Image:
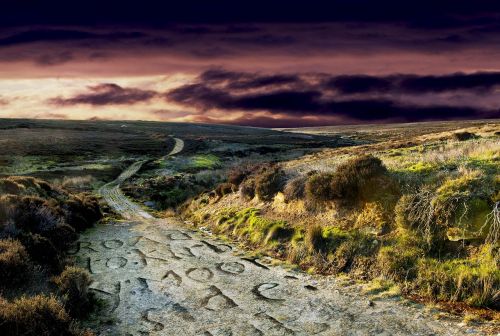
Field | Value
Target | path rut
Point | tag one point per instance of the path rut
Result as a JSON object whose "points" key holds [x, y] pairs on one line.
{"points": [[159, 278]]}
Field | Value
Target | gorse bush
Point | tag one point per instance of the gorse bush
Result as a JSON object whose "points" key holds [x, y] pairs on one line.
{"points": [[169, 192], [399, 263], [14, 261], [455, 210], [73, 284], [354, 252], [43, 218], [38, 207], [81, 211]]}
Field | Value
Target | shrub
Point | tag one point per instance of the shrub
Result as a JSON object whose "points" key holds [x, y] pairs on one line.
{"points": [[415, 212], [78, 182], [317, 188], [399, 262], [247, 188], [269, 182], [13, 261], [358, 179], [225, 189], [61, 236], [295, 188], [73, 284], [34, 214], [463, 136], [40, 209], [238, 174], [41, 249], [452, 202], [82, 211], [34, 316], [8, 186]]}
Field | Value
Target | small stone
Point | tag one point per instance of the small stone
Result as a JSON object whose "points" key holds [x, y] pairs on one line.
{"points": [[370, 303]]}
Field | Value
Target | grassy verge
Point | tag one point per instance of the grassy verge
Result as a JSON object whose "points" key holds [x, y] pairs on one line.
{"points": [[424, 219]]}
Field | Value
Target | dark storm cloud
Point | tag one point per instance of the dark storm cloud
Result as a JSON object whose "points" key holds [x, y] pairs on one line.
{"points": [[426, 13], [477, 81], [61, 35], [311, 103], [359, 84], [216, 89], [484, 81], [219, 43], [107, 94]]}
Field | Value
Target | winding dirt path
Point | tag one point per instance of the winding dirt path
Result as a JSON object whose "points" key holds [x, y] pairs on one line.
{"points": [[162, 279], [118, 201]]}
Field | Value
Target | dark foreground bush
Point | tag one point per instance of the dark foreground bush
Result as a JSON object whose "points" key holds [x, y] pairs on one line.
{"points": [[41, 250], [73, 284], [14, 261], [34, 207], [35, 316], [82, 211]]}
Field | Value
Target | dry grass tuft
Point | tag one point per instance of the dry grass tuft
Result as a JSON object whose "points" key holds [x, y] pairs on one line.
{"points": [[34, 316], [14, 261], [73, 284], [295, 188]]}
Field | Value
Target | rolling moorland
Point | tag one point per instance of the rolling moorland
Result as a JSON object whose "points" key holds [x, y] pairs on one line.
{"points": [[300, 231]]}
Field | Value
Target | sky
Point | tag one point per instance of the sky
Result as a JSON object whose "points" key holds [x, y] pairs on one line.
{"points": [[257, 63]]}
